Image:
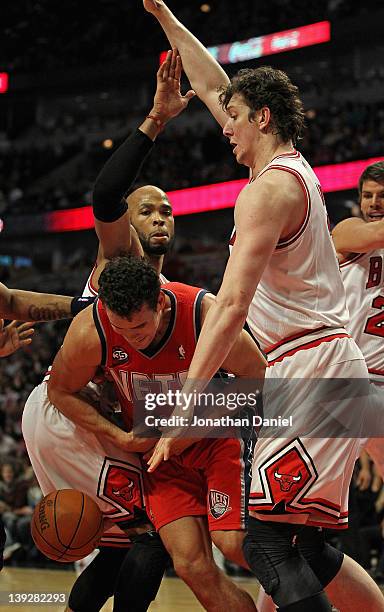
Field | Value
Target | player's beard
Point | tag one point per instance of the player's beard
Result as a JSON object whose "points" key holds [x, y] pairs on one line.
{"points": [[155, 249]]}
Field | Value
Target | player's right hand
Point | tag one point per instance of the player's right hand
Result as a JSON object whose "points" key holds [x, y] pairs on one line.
{"points": [[169, 101], [14, 336]]}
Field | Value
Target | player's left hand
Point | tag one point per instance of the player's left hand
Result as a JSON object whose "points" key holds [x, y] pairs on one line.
{"points": [[166, 448], [169, 101], [14, 336]]}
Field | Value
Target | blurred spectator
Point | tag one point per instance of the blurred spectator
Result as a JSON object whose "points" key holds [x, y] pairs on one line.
{"points": [[16, 506]]}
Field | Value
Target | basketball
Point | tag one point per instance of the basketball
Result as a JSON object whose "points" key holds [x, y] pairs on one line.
{"points": [[66, 525]]}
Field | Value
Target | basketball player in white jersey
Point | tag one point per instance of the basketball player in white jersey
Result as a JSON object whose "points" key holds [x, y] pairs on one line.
{"points": [[359, 243], [283, 277]]}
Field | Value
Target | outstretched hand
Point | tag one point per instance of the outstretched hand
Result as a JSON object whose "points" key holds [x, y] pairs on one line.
{"points": [[169, 101], [152, 6], [14, 336], [166, 448]]}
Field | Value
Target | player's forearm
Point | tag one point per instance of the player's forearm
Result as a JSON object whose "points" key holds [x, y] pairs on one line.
{"points": [[31, 306], [117, 176], [138, 444], [202, 70], [85, 415]]}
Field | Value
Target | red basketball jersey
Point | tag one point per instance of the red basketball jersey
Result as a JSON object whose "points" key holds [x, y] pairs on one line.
{"points": [[158, 369]]}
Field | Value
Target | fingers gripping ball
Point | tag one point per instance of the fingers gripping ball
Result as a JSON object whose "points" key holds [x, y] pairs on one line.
{"points": [[66, 525]]}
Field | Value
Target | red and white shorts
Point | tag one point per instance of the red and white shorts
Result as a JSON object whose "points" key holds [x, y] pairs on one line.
{"points": [[305, 478], [208, 479], [66, 456], [375, 445]]}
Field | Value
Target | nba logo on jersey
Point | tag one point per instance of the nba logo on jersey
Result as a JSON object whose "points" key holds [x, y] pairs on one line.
{"points": [[181, 350], [218, 503]]}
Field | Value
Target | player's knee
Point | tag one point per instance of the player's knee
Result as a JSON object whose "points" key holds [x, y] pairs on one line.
{"points": [[324, 560], [281, 570], [196, 570], [230, 543], [260, 564]]}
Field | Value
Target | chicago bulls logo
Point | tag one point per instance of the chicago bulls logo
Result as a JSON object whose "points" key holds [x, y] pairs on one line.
{"points": [[121, 485], [287, 476], [218, 503], [125, 492], [286, 480]]}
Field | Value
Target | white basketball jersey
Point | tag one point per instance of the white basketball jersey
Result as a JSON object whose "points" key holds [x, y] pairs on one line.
{"points": [[364, 284], [300, 291], [89, 288]]}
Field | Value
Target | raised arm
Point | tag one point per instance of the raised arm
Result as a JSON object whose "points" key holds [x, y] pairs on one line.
{"points": [[112, 222], [355, 235], [203, 71]]}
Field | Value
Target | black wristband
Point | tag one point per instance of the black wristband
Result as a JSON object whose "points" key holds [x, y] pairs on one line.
{"points": [[117, 176], [79, 303]]}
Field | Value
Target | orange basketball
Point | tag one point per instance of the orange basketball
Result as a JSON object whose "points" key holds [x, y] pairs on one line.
{"points": [[66, 525]]}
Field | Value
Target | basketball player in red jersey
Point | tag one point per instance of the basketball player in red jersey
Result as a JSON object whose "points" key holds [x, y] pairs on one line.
{"points": [[149, 209], [136, 332], [283, 277]]}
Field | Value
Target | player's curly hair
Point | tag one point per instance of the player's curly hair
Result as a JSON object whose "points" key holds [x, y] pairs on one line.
{"points": [[374, 172], [267, 86], [127, 283]]}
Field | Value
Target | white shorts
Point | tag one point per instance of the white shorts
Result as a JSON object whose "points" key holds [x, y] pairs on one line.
{"points": [[304, 476], [66, 456], [375, 446]]}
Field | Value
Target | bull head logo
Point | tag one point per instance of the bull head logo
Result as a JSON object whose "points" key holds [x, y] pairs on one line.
{"points": [[125, 492], [286, 481]]}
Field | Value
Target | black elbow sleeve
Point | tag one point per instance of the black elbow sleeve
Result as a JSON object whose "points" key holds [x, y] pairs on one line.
{"points": [[117, 176]]}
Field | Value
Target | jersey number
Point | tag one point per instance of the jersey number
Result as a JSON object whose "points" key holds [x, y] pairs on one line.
{"points": [[375, 270], [375, 324]]}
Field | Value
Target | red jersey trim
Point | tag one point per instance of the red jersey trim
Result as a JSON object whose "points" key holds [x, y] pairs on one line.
{"points": [[308, 345], [305, 332], [377, 372], [308, 506], [307, 339], [352, 260], [289, 240], [265, 512], [90, 284]]}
